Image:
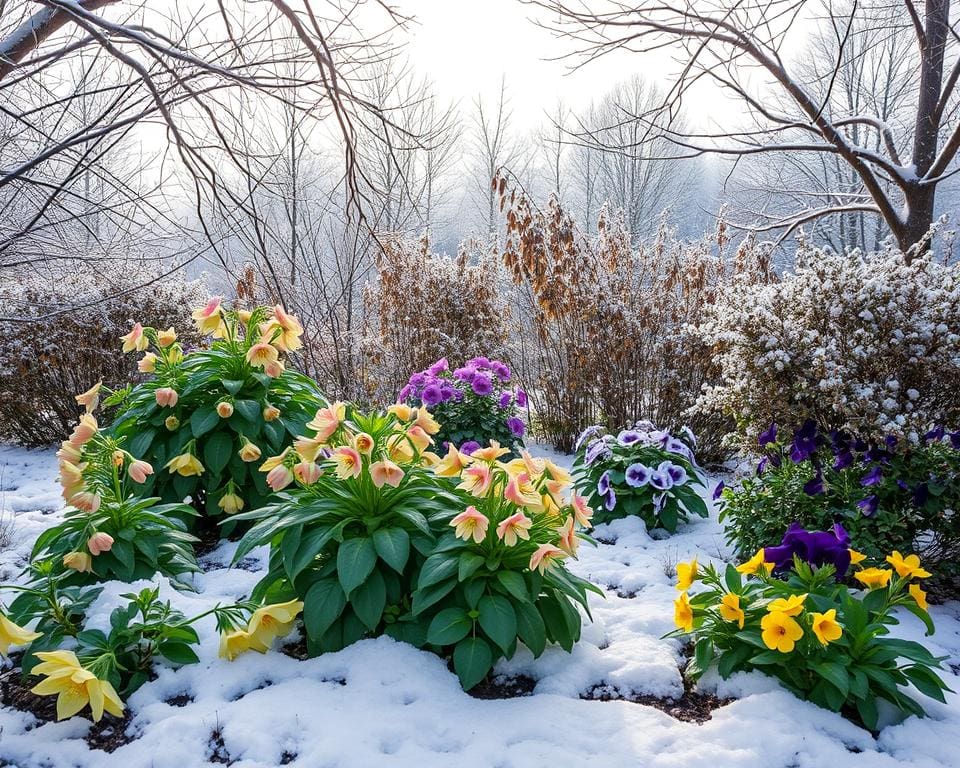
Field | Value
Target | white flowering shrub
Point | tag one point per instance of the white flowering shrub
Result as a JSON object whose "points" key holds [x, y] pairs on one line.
{"points": [[47, 354], [865, 344]]}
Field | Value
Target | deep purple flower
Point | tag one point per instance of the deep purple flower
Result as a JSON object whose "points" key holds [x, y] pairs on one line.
{"points": [[843, 460], [480, 362], [637, 475], [920, 494], [868, 506], [431, 395], [718, 491], [446, 391], [481, 385], [902, 485], [515, 426], [603, 484], [505, 399], [860, 445], [660, 480], [628, 437], [465, 374], [521, 398], [814, 486], [815, 547], [769, 435], [890, 441], [935, 435], [762, 465], [502, 371], [874, 476], [804, 442], [676, 473], [469, 447]]}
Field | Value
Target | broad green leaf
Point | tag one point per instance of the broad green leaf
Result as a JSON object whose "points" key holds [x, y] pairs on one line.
{"points": [[472, 660], [393, 547], [449, 626], [369, 599], [530, 628], [203, 420], [355, 560], [498, 620], [436, 568], [217, 449], [322, 606]]}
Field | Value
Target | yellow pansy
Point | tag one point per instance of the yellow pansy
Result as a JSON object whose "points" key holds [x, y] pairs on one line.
{"points": [[683, 613], [686, 574], [75, 686], [791, 606], [756, 564], [907, 567], [856, 557], [825, 626], [780, 632], [730, 609], [874, 578]]}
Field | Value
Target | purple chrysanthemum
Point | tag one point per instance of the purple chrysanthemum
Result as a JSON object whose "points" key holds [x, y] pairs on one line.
{"points": [[481, 385], [521, 398], [431, 395], [505, 399], [439, 367], [515, 426], [501, 370]]}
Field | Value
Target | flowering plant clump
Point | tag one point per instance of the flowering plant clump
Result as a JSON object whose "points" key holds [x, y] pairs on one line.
{"points": [[641, 471], [890, 495], [474, 404], [864, 344], [356, 512], [823, 640], [499, 577], [110, 530], [204, 417]]}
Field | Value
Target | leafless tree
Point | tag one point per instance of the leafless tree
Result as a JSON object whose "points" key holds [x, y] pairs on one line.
{"points": [[728, 43], [179, 79]]}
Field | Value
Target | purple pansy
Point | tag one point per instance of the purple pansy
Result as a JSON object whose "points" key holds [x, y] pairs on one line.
{"points": [[515, 426], [676, 473], [955, 440], [814, 486], [637, 475], [804, 442], [814, 547], [718, 490], [874, 476], [868, 506], [935, 435], [769, 435], [843, 460]]}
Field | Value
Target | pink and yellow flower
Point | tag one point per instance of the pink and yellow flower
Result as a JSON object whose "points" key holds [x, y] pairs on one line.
{"points": [[249, 451], [78, 561], [419, 437], [147, 363], [225, 410], [166, 338], [307, 472], [347, 462], [308, 448], [581, 509], [85, 501], [491, 453], [283, 331], [385, 473], [544, 556], [402, 411], [521, 492], [208, 318], [476, 480], [279, 477], [230, 503], [514, 527], [261, 353], [271, 413], [135, 340], [426, 422], [471, 523], [568, 537], [327, 420], [91, 398], [185, 465], [100, 542], [363, 443], [139, 470], [85, 430], [453, 463], [166, 397]]}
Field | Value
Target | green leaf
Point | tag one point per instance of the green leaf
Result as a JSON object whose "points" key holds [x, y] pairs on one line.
{"points": [[498, 620], [867, 709], [322, 606], [249, 410], [469, 562], [140, 443], [232, 386], [472, 661], [393, 547], [369, 600], [355, 560], [178, 653], [449, 626], [514, 584], [203, 420], [530, 628], [311, 543], [835, 674], [217, 450], [436, 568], [926, 681]]}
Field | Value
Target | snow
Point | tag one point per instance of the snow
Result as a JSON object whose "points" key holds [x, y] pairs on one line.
{"points": [[380, 702]]}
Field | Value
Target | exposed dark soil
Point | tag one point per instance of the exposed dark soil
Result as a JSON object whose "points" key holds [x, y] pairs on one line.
{"points": [[691, 707], [502, 687], [180, 700], [107, 735], [218, 749]]}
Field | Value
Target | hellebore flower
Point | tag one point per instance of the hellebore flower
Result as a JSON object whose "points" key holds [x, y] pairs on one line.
{"points": [[347, 462], [768, 436], [568, 537], [814, 547], [75, 686], [91, 398], [208, 318], [308, 472], [166, 397], [637, 475], [230, 503], [874, 476], [544, 556], [514, 527], [184, 464], [135, 340], [476, 480], [13, 634], [868, 505], [138, 470], [471, 523], [101, 542], [283, 330]]}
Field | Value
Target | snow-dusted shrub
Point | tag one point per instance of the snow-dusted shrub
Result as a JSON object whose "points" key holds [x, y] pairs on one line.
{"points": [[425, 306], [204, 417], [823, 640], [865, 344], [376, 534], [608, 340], [890, 495], [45, 359], [474, 403], [642, 471]]}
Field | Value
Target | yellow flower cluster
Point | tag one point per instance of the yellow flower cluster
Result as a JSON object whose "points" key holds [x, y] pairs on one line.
{"points": [[266, 624], [516, 495], [75, 686]]}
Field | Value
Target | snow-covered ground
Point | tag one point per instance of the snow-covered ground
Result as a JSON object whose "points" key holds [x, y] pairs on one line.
{"points": [[383, 703]]}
